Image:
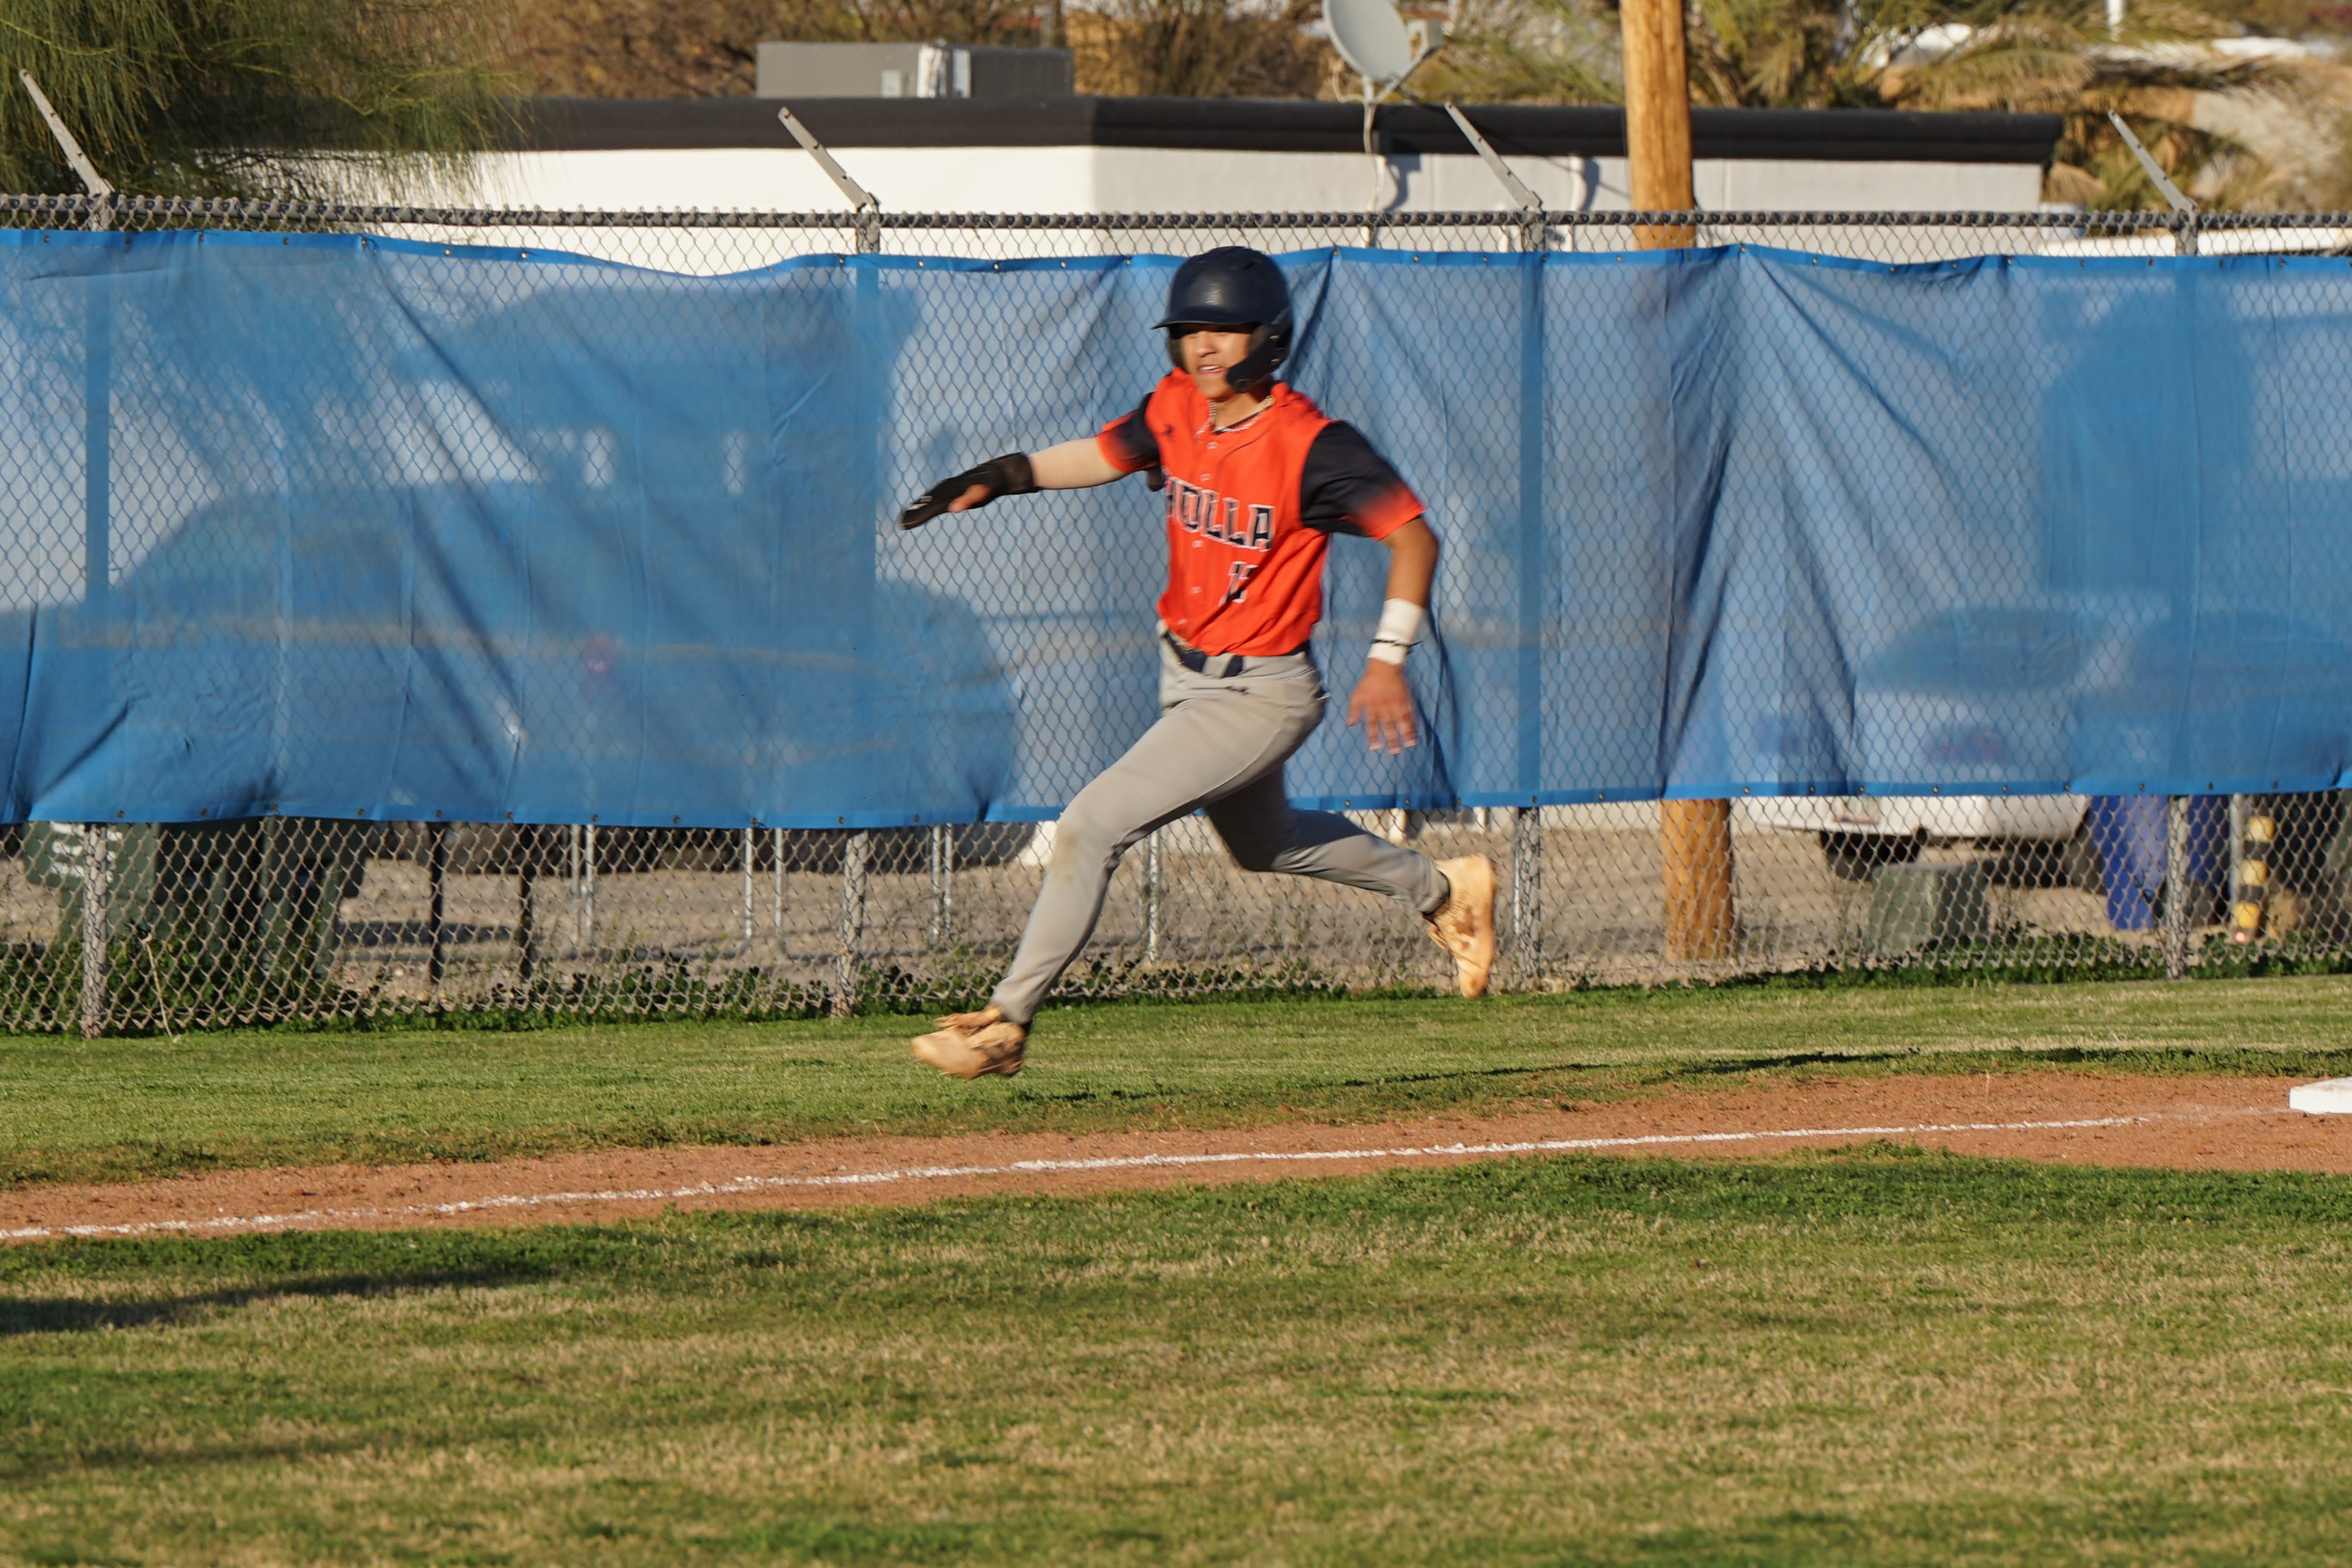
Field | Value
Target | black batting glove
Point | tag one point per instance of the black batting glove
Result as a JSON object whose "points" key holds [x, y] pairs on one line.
{"points": [[1009, 475]]}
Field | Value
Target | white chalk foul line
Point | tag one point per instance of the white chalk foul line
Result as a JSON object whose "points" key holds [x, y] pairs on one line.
{"points": [[227, 1223]]}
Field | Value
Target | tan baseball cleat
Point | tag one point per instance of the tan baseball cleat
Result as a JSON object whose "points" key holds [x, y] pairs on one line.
{"points": [[1464, 925], [973, 1045]]}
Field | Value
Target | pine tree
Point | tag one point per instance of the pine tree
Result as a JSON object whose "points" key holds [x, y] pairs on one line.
{"points": [[253, 96]]}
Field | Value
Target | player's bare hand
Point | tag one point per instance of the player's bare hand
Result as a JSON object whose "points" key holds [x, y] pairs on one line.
{"points": [[973, 495], [1383, 703]]}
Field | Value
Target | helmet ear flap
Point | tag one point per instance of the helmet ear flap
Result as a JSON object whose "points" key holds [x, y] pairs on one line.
{"points": [[1272, 340], [1269, 346], [1176, 348]]}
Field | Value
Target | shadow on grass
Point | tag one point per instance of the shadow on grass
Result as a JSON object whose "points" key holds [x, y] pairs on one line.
{"points": [[1908, 1060], [70, 1315], [2156, 1061]]}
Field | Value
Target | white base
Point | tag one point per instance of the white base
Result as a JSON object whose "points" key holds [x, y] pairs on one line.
{"points": [[2332, 1097]]}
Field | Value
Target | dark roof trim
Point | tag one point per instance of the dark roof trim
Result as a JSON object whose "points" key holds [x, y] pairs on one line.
{"points": [[1269, 125]]}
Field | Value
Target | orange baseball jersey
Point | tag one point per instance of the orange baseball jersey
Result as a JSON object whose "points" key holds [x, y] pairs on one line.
{"points": [[1251, 509]]}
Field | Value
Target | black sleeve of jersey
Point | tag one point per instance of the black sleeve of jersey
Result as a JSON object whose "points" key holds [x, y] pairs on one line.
{"points": [[1132, 444], [1346, 487]]}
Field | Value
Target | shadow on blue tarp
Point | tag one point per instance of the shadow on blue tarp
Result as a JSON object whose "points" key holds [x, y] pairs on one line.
{"points": [[385, 531]]}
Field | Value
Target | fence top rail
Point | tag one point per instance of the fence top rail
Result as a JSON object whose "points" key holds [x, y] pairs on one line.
{"points": [[181, 211]]}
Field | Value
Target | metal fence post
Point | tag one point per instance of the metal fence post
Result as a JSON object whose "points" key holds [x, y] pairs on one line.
{"points": [[776, 908], [852, 924], [1152, 897], [97, 459], [1527, 893], [2176, 886], [96, 869], [1527, 821], [437, 890], [751, 851], [527, 904], [942, 844], [2236, 849], [588, 889], [584, 881], [572, 880]]}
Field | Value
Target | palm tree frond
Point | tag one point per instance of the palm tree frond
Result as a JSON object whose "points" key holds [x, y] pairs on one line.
{"points": [[237, 97]]}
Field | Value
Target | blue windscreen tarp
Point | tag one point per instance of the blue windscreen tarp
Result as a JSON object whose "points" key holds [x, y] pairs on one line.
{"points": [[346, 527]]}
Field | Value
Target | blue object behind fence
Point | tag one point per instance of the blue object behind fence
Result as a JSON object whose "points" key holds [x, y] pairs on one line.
{"points": [[350, 527]]}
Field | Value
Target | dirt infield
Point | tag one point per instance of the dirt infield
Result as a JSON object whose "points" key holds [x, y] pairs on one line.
{"points": [[2183, 1123]]}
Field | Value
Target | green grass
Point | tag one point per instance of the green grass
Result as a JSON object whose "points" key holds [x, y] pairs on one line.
{"points": [[1875, 1357], [74, 1110]]}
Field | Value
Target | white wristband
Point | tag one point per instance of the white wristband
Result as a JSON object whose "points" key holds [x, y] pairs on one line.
{"points": [[1400, 628]]}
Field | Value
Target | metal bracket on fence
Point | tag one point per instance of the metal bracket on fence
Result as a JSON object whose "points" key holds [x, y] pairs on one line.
{"points": [[96, 869], [2177, 892], [2155, 172], [84, 170], [868, 218], [853, 925], [2184, 230], [1530, 206]]}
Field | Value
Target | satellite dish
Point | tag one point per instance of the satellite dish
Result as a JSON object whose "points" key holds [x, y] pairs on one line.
{"points": [[1370, 37], [1381, 49]]}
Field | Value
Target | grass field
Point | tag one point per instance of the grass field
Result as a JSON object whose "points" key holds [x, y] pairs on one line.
{"points": [[1875, 1357], [75, 1110], [1878, 1355]]}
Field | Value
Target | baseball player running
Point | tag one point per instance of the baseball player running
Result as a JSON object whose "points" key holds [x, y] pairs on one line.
{"points": [[1257, 480]]}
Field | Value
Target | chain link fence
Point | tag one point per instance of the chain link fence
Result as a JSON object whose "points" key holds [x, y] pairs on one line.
{"points": [[134, 927]]}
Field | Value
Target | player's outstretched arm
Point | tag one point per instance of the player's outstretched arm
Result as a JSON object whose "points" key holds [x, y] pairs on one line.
{"points": [[1072, 465], [1077, 465], [1383, 700]]}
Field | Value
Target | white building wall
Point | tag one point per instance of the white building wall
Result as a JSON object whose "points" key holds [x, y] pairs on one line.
{"points": [[1149, 179], [1076, 180]]}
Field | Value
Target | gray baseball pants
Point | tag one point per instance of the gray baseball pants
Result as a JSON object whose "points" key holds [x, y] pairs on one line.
{"points": [[1220, 745]]}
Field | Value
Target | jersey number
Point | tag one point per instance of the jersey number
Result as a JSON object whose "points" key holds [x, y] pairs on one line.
{"points": [[1237, 581]]}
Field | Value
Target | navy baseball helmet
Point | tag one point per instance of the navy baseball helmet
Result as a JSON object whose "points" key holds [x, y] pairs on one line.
{"points": [[1232, 287]]}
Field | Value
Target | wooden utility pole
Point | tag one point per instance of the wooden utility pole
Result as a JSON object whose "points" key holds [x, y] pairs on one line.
{"points": [[1657, 116], [1701, 923], [1694, 835]]}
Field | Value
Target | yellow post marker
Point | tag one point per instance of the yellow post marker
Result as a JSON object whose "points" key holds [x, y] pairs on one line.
{"points": [[2253, 876]]}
